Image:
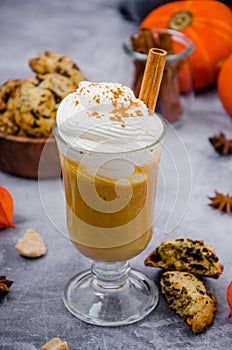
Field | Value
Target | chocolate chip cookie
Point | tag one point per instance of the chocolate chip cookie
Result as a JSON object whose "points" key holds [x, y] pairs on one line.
{"points": [[51, 62], [28, 107], [36, 103], [188, 296], [7, 95], [186, 255]]}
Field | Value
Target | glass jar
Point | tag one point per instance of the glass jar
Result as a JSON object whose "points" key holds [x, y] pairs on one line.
{"points": [[176, 90]]}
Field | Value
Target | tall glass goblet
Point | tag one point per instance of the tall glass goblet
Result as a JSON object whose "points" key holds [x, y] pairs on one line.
{"points": [[110, 201]]}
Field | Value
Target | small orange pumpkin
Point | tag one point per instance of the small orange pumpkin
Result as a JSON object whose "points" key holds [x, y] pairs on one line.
{"points": [[208, 24], [224, 84], [6, 209]]}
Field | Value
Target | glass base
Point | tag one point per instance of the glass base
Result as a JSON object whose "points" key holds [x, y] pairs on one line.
{"points": [[110, 304]]}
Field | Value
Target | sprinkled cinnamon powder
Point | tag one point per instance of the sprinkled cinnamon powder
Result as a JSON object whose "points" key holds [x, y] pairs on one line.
{"points": [[126, 112], [116, 118], [117, 93], [94, 114], [139, 113], [115, 96], [97, 99]]}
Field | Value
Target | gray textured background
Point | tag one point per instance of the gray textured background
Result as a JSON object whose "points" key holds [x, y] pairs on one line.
{"points": [[91, 33]]}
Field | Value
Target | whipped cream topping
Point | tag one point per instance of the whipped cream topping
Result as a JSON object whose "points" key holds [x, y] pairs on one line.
{"points": [[106, 117]]}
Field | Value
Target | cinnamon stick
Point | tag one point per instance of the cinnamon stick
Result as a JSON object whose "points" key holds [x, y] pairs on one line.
{"points": [[144, 41], [141, 42], [139, 67], [168, 103], [165, 43], [152, 78]]}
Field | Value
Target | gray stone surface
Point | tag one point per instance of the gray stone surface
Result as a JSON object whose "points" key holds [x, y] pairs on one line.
{"points": [[91, 32]]}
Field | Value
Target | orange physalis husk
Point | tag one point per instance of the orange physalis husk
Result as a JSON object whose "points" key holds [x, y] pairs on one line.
{"points": [[6, 209], [229, 298]]}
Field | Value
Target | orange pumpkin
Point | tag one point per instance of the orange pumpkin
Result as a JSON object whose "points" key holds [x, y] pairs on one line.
{"points": [[208, 24], [224, 84], [6, 209]]}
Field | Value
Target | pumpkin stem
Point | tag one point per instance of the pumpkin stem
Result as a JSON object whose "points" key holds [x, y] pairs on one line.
{"points": [[180, 20]]}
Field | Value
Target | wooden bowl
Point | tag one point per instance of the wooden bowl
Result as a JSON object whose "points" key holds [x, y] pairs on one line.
{"points": [[29, 157]]}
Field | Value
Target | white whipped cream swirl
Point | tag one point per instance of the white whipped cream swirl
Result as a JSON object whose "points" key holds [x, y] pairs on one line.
{"points": [[106, 117]]}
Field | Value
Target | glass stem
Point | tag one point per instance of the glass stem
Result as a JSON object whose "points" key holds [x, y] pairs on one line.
{"points": [[110, 275]]}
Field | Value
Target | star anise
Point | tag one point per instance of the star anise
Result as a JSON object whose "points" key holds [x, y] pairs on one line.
{"points": [[221, 144], [4, 285], [221, 202]]}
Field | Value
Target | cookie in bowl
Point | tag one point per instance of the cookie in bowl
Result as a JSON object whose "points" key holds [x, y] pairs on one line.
{"points": [[28, 115], [7, 95], [36, 103], [51, 62], [6, 92]]}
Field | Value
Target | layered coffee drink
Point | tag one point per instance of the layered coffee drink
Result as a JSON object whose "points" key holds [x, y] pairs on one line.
{"points": [[110, 148]]}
